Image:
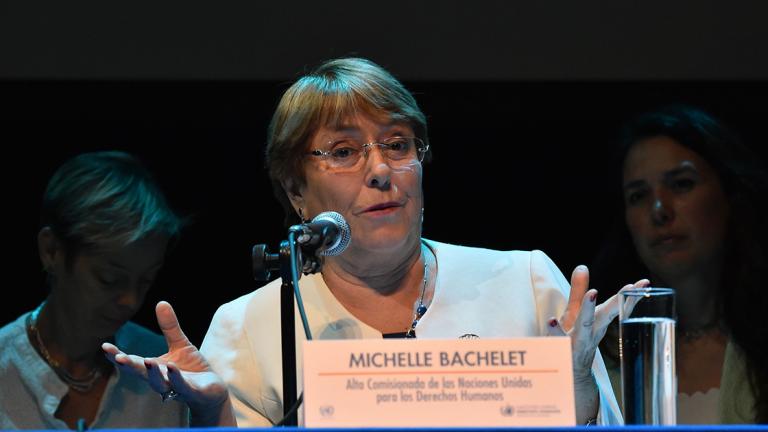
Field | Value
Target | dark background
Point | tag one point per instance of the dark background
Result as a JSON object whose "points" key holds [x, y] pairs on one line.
{"points": [[524, 102]]}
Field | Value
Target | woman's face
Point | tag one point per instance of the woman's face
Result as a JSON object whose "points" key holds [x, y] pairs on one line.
{"points": [[675, 208], [104, 288], [381, 200]]}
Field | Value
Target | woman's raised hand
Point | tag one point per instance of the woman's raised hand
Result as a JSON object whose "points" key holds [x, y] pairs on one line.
{"points": [[586, 323], [182, 373]]}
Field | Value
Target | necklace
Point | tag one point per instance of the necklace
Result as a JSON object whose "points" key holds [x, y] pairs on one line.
{"points": [[81, 385], [419, 307]]}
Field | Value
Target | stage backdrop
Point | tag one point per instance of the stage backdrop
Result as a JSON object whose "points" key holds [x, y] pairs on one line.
{"points": [[517, 165]]}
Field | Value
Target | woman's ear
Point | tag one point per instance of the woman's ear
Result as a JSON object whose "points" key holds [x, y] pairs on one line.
{"points": [[49, 248], [293, 191]]}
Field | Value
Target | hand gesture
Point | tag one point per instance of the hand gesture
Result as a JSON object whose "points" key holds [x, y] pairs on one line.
{"points": [[586, 324], [182, 373]]}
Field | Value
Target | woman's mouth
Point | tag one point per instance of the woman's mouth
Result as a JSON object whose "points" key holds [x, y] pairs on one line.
{"points": [[383, 208], [667, 240]]}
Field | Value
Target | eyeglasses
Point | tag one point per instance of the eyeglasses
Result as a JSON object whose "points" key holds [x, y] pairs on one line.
{"points": [[346, 153]]}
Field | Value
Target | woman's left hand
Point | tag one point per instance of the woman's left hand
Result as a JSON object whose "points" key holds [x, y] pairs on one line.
{"points": [[586, 323], [181, 373]]}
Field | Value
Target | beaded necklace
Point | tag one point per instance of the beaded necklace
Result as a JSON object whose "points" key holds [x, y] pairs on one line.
{"points": [[419, 307]]}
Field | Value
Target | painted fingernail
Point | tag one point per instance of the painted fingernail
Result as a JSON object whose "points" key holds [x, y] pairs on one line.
{"points": [[593, 297], [553, 323]]}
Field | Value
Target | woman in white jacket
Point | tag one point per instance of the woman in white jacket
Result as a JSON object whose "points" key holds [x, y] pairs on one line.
{"points": [[349, 138]]}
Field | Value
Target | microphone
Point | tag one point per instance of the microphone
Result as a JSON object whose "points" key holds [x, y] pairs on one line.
{"points": [[328, 234]]}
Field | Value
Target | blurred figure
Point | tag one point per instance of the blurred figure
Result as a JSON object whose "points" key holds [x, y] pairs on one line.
{"points": [[103, 238], [695, 219]]}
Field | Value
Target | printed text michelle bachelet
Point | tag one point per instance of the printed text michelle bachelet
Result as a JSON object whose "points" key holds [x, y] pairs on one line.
{"points": [[429, 359]]}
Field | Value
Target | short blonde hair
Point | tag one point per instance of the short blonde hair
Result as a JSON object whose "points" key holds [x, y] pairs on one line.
{"points": [[333, 92]]}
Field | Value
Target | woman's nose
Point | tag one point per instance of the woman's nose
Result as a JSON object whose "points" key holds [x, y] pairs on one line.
{"points": [[378, 170], [661, 212], [132, 297]]}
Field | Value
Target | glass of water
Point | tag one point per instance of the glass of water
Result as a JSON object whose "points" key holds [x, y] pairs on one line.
{"points": [[647, 352]]}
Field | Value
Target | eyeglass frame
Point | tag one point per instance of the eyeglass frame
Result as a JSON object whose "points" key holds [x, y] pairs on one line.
{"points": [[421, 148]]}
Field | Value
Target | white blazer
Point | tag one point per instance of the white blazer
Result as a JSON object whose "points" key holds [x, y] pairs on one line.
{"points": [[488, 293]]}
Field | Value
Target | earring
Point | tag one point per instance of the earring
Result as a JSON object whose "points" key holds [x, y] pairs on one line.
{"points": [[422, 215], [301, 214]]}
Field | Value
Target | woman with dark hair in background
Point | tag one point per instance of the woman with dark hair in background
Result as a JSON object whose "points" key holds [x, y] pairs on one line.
{"points": [[695, 219], [104, 234]]}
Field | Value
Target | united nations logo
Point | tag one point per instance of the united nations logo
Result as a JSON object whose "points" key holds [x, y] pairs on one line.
{"points": [[507, 410], [469, 336], [326, 410]]}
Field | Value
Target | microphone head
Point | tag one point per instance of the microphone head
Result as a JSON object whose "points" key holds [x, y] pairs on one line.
{"points": [[345, 234]]}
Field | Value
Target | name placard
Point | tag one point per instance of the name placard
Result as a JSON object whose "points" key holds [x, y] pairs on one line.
{"points": [[458, 382]]}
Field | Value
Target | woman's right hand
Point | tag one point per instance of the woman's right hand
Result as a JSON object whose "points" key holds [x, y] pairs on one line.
{"points": [[182, 371]]}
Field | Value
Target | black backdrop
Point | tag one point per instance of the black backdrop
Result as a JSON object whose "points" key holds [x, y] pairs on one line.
{"points": [[517, 165]]}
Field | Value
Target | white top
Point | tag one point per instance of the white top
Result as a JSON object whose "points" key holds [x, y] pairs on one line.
{"points": [[483, 292], [31, 390], [698, 408], [734, 401]]}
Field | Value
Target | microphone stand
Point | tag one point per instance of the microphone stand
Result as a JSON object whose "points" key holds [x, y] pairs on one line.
{"points": [[288, 263]]}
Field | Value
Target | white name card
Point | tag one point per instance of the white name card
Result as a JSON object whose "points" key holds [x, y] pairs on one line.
{"points": [[438, 383]]}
